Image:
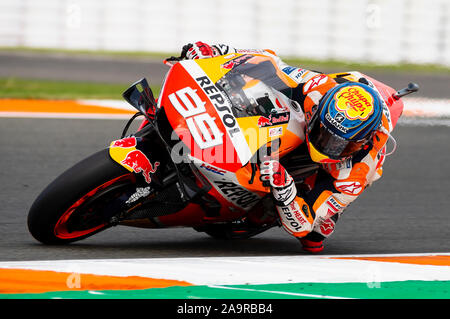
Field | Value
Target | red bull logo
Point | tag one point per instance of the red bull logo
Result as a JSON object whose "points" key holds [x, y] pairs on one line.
{"points": [[273, 119], [264, 121], [125, 142], [228, 65], [236, 61], [139, 163]]}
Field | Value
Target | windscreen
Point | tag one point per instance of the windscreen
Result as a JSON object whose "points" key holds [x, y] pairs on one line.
{"points": [[255, 88]]}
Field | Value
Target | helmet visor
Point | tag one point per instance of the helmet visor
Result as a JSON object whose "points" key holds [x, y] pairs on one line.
{"points": [[329, 143]]}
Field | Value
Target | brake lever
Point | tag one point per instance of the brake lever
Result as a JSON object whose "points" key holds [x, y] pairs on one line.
{"points": [[168, 61], [182, 56]]}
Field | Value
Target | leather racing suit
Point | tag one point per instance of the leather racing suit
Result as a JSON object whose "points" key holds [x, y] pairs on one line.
{"points": [[311, 216]]}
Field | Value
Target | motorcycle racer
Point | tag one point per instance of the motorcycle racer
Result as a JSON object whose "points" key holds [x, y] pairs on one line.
{"points": [[347, 128]]}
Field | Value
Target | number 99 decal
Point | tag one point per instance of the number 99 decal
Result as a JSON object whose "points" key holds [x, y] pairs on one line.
{"points": [[203, 129]]}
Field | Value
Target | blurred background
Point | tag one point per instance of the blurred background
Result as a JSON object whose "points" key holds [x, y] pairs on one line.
{"points": [[119, 41], [379, 31], [84, 49]]}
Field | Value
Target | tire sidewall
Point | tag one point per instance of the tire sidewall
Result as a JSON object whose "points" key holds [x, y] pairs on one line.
{"points": [[65, 190]]}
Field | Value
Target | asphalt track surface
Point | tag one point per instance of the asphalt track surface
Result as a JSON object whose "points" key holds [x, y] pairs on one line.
{"points": [[406, 211], [107, 69]]}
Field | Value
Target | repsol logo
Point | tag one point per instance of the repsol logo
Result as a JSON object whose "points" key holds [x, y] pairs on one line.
{"points": [[236, 194], [220, 103], [294, 217]]}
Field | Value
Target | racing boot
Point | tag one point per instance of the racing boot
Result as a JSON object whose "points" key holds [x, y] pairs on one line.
{"points": [[313, 242]]}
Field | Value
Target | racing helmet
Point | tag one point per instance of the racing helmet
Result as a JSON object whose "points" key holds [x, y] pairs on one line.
{"points": [[345, 120]]}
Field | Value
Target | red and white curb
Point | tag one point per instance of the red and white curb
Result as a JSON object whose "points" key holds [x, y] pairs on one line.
{"points": [[259, 270]]}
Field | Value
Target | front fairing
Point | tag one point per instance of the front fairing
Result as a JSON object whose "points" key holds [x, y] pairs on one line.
{"points": [[225, 109]]}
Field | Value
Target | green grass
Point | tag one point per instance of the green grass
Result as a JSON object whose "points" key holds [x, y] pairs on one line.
{"points": [[126, 54], [410, 289], [339, 66], [45, 89], [302, 62]]}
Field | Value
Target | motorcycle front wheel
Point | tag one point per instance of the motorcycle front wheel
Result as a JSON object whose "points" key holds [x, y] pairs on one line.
{"points": [[80, 202]]}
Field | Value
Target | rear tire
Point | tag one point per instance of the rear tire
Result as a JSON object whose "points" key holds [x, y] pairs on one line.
{"points": [[68, 209]]}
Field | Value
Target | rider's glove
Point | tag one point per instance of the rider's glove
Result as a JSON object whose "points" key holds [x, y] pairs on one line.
{"points": [[273, 174], [200, 50]]}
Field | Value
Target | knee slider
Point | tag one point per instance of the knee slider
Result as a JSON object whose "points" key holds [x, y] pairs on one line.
{"points": [[296, 217]]}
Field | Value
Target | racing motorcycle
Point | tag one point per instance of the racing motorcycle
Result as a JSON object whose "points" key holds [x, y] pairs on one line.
{"points": [[193, 162]]}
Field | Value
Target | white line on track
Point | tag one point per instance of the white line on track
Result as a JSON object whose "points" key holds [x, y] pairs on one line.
{"points": [[48, 115], [280, 292], [249, 270], [426, 107], [417, 111]]}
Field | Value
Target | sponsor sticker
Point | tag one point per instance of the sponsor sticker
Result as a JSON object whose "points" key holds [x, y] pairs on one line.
{"points": [[139, 163], [326, 227], [213, 169], [335, 205], [273, 119], [289, 69], [223, 109], [315, 82], [298, 74], [275, 131], [354, 102], [294, 218], [202, 126], [236, 61], [349, 187], [237, 194], [125, 142], [336, 123], [345, 164]]}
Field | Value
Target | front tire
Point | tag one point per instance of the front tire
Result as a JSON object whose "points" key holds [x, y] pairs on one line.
{"points": [[73, 206]]}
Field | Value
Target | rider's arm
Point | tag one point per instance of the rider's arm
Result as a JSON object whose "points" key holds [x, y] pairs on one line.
{"points": [[312, 216], [338, 185], [295, 214]]}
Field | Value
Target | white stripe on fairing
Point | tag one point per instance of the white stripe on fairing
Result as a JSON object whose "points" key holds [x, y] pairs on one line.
{"points": [[248, 270]]}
